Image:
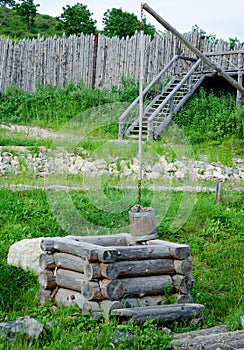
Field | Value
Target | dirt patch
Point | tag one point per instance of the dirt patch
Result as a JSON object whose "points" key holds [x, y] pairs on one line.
{"points": [[33, 131]]}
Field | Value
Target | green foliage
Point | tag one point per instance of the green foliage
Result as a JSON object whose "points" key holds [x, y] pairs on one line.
{"points": [[13, 26], [210, 37], [28, 11], [54, 107], [122, 23], [7, 3], [214, 232], [21, 219], [15, 286], [77, 19], [21, 139], [129, 91], [207, 117]]}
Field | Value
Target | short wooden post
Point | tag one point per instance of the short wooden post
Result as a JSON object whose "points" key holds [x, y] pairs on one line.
{"points": [[219, 192]]}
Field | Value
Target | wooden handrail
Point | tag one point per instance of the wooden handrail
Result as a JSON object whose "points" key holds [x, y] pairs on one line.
{"points": [[223, 53], [195, 50]]}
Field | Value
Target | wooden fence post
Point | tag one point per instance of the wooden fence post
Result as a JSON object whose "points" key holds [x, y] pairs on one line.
{"points": [[219, 192]]}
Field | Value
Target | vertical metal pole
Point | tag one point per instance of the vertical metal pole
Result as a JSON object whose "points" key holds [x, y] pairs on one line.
{"points": [[141, 110]]}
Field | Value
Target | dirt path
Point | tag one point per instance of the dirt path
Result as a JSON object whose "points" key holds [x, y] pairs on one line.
{"points": [[35, 132]]}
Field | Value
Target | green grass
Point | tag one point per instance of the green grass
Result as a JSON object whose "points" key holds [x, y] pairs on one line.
{"points": [[214, 232], [207, 124], [54, 108], [207, 117]]}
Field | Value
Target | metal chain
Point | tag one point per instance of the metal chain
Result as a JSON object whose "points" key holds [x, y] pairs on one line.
{"points": [[139, 192], [142, 14]]}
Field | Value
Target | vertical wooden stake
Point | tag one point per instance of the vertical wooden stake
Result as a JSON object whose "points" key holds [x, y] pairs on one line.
{"points": [[219, 192]]}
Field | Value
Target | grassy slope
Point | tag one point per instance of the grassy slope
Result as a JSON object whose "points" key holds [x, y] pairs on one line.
{"points": [[13, 26]]}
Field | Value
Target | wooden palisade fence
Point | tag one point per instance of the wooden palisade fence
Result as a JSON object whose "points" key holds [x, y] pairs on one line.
{"points": [[113, 273], [96, 60]]}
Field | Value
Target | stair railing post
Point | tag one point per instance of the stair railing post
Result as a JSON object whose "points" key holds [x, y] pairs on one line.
{"points": [[240, 79]]}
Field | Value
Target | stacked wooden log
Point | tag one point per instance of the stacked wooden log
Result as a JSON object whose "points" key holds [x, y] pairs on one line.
{"points": [[113, 272]]}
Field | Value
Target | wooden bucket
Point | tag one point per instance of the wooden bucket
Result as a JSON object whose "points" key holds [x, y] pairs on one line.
{"points": [[143, 224]]}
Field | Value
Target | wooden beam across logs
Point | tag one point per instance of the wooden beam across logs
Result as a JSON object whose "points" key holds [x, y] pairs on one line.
{"points": [[70, 279], [176, 250], [88, 251], [69, 262], [150, 300], [46, 261], [149, 285], [67, 297], [151, 251], [160, 312], [119, 239], [137, 268], [47, 280]]}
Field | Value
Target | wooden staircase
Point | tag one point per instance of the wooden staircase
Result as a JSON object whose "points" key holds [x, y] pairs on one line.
{"points": [[163, 97]]}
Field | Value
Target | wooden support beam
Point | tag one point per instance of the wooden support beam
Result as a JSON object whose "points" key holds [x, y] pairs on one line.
{"points": [[159, 313], [119, 239], [149, 285], [109, 305], [176, 250], [69, 279], [195, 50], [139, 268], [47, 280], [239, 97], [46, 261], [67, 297], [111, 289], [88, 251], [91, 290], [150, 300], [69, 262]]}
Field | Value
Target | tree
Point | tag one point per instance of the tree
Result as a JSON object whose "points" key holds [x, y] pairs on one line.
{"points": [[78, 19], [121, 23], [5, 4], [28, 10]]}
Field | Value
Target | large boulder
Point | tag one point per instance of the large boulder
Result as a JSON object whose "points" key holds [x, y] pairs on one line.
{"points": [[25, 326], [26, 253]]}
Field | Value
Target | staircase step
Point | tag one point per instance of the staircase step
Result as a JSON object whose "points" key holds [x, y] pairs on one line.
{"points": [[165, 109]]}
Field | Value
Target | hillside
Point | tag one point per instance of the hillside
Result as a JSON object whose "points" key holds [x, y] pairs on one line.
{"points": [[13, 26]]}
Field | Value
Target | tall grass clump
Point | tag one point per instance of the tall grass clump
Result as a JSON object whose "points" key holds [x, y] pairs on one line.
{"points": [[207, 117], [53, 107]]}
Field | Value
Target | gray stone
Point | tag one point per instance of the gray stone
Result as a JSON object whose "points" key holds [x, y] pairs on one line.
{"points": [[25, 326], [46, 162], [242, 321], [26, 253]]}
